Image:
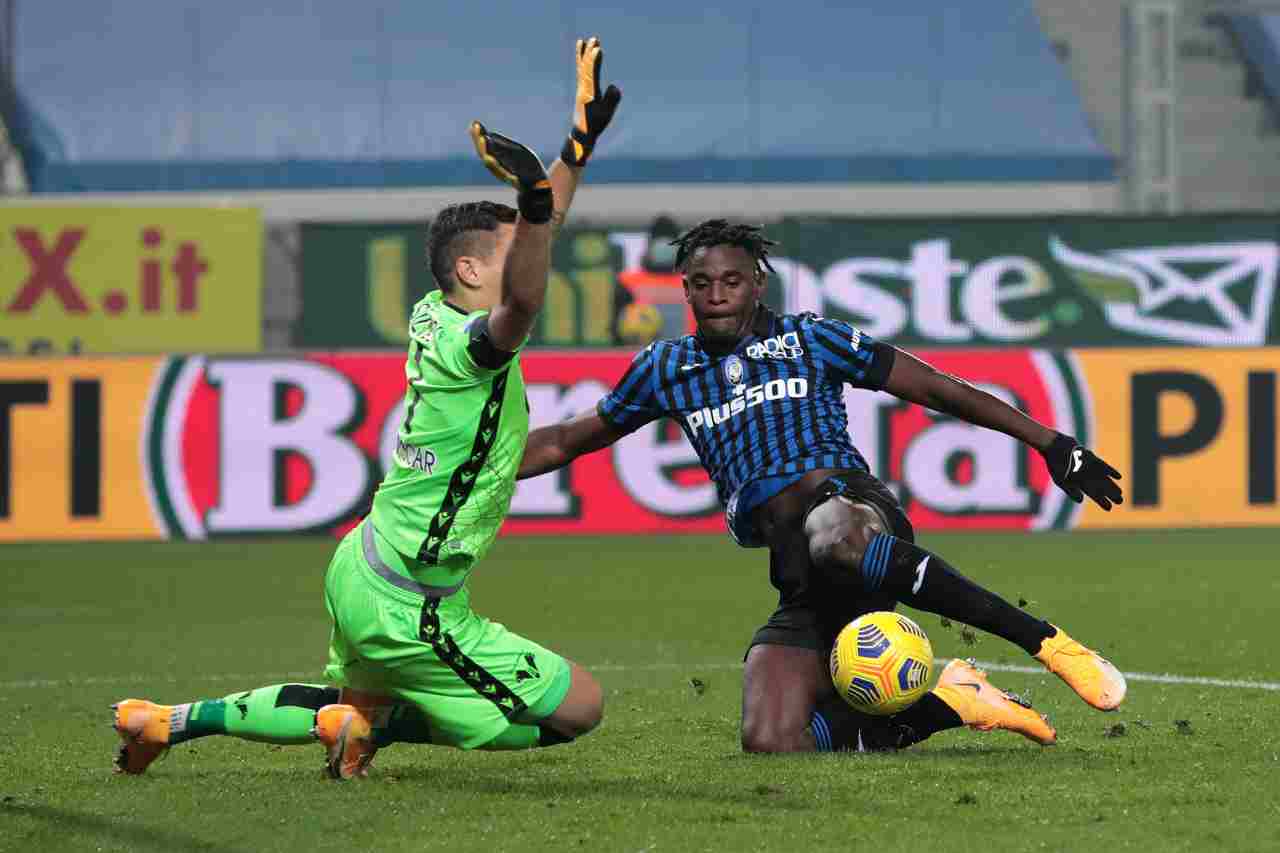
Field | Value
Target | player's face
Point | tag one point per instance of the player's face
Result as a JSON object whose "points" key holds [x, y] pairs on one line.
{"points": [[484, 269], [722, 286]]}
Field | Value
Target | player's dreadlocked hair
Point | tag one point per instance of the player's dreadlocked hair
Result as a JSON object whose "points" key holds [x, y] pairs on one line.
{"points": [[454, 232], [720, 232]]}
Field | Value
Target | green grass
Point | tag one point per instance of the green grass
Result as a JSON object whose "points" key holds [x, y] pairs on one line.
{"points": [[82, 626]]}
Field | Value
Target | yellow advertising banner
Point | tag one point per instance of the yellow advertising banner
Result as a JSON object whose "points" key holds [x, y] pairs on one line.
{"points": [[130, 280], [1193, 431], [71, 464]]}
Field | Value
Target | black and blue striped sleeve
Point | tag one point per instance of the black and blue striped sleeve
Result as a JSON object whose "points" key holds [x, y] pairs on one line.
{"points": [[633, 402], [855, 357]]}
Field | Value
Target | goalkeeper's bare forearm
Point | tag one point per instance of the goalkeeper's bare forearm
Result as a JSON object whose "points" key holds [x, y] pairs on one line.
{"points": [[564, 184]]}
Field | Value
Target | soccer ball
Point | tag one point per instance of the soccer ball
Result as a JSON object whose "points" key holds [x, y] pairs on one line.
{"points": [[639, 323], [881, 663]]}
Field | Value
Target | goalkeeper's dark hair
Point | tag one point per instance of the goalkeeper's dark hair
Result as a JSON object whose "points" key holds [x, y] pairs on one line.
{"points": [[456, 232], [721, 232]]}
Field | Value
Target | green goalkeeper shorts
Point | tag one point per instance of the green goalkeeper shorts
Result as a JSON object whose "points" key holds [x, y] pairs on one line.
{"points": [[471, 677]]}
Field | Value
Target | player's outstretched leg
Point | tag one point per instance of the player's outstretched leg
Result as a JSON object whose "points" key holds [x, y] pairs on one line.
{"points": [[851, 542], [281, 713], [962, 697], [985, 707], [1094, 678], [789, 706]]}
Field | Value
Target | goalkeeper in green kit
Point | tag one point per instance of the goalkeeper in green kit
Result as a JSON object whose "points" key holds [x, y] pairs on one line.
{"points": [[411, 661]]}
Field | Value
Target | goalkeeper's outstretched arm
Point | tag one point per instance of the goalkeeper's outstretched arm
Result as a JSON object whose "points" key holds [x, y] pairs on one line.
{"points": [[555, 446], [592, 111], [528, 262], [543, 197]]}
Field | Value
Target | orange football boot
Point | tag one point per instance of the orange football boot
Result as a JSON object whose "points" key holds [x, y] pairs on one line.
{"points": [[346, 730], [983, 706], [1094, 678], [144, 728]]}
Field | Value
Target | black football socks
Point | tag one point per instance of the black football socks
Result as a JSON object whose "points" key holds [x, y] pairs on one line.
{"points": [[925, 581], [838, 728]]}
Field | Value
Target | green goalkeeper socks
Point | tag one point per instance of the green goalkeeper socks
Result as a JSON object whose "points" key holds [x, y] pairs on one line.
{"points": [[285, 714], [281, 713]]}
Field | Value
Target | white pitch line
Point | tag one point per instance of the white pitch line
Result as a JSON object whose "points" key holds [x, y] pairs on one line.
{"points": [[693, 668], [1154, 677]]}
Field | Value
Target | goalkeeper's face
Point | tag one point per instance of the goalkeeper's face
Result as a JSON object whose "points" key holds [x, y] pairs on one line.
{"points": [[723, 285], [481, 268]]}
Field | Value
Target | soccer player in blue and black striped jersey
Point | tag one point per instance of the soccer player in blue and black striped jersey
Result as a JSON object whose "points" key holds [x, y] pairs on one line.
{"points": [[760, 397]]}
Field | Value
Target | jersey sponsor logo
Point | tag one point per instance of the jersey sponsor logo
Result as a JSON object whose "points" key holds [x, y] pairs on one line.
{"points": [[786, 346], [418, 458], [795, 388]]}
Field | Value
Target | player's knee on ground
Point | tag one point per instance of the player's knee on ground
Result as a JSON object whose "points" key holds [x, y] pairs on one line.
{"points": [[839, 532], [765, 736], [582, 708]]}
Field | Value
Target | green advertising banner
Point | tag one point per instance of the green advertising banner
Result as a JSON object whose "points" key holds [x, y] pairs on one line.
{"points": [[1068, 281], [359, 282]]}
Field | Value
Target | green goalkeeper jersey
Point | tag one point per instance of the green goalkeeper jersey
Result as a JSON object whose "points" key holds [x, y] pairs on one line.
{"points": [[458, 449]]}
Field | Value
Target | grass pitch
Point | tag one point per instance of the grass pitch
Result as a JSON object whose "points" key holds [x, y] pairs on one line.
{"points": [[1183, 766]]}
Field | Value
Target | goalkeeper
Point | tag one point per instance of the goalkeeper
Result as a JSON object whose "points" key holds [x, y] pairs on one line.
{"points": [[411, 660]]}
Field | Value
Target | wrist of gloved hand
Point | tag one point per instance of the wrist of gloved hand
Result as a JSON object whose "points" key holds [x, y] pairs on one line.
{"points": [[536, 205], [1058, 455], [577, 149]]}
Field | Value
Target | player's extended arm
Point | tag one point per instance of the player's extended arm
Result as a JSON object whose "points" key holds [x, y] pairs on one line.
{"points": [[1075, 469], [555, 446], [592, 112], [564, 183], [524, 276]]}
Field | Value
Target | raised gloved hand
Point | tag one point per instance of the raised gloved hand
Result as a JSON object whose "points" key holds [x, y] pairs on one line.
{"points": [[592, 111], [517, 165]]}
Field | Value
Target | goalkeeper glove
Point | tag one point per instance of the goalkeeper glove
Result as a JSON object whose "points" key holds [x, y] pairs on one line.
{"points": [[592, 111], [1078, 472], [515, 164]]}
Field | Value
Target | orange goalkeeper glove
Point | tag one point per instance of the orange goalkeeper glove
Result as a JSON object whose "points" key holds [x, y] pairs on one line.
{"points": [[517, 165], [592, 110]]}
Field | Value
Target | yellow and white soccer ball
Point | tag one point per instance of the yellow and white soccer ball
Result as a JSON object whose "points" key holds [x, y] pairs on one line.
{"points": [[881, 663], [639, 323]]}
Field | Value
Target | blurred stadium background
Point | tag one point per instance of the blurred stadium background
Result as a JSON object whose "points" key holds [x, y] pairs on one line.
{"points": [[1085, 187], [213, 226]]}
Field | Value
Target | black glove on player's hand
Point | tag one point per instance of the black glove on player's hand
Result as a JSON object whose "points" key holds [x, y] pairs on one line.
{"points": [[1079, 472]]}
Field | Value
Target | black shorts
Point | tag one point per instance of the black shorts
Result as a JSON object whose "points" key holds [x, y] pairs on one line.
{"points": [[812, 608]]}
